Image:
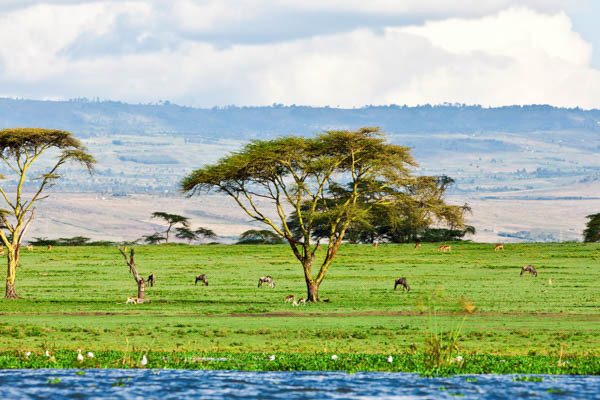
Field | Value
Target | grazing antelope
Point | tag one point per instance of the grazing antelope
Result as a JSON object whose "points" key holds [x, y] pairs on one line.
{"points": [[375, 244], [417, 245], [530, 269], [445, 247], [550, 282], [202, 278], [402, 282], [266, 279], [290, 298], [151, 280], [30, 247], [499, 247], [134, 300], [300, 301], [49, 247]]}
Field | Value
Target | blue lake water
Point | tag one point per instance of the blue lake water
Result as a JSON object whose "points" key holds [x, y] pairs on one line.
{"points": [[177, 384]]}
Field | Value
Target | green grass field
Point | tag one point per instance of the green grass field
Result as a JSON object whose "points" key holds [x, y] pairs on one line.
{"points": [[80, 303]]}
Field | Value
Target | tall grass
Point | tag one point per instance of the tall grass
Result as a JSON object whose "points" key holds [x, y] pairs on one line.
{"points": [[442, 345]]}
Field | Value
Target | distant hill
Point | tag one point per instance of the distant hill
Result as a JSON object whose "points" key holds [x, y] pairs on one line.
{"points": [[93, 118], [530, 173]]}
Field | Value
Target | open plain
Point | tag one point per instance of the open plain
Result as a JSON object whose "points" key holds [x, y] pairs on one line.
{"points": [[74, 297]]}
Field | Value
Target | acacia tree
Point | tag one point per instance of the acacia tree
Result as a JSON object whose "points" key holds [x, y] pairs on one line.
{"points": [[260, 236], [171, 220], [154, 238], [340, 175], [20, 148], [402, 222], [592, 228], [189, 235]]}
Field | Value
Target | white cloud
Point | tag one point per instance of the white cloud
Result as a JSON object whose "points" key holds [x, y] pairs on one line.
{"points": [[144, 51]]}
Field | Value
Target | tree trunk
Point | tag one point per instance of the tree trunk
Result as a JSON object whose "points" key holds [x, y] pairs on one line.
{"points": [[11, 275], [313, 292], [141, 290]]}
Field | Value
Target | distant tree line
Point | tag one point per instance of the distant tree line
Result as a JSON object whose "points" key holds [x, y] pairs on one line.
{"points": [[73, 241]]}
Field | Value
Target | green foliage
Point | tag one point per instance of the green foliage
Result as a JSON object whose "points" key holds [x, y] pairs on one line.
{"points": [[592, 229], [286, 361], [441, 346], [154, 238], [264, 236], [73, 241], [171, 220], [186, 233], [330, 181], [206, 233]]}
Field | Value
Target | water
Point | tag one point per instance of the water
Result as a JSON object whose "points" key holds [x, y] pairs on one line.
{"points": [[177, 384]]}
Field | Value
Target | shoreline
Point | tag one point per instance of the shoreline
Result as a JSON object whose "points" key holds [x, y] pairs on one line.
{"points": [[349, 362]]}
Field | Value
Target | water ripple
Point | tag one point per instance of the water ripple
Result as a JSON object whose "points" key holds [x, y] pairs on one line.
{"points": [[177, 384]]}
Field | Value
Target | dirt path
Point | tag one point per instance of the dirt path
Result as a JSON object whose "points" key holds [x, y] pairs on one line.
{"points": [[590, 317]]}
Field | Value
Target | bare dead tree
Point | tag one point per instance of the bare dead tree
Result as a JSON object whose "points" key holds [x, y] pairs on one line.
{"points": [[141, 297]]}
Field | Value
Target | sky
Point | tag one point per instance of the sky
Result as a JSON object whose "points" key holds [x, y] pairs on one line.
{"points": [[346, 53]]}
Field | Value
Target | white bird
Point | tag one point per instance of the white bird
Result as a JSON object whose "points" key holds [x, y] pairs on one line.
{"points": [[271, 358], [334, 357], [390, 359], [47, 353], [459, 358], [90, 354], [79, 355], [143, 361], [27, 354]]}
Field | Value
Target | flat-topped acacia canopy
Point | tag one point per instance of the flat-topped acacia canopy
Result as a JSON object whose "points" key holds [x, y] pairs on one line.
{"points": [[18, 142]]}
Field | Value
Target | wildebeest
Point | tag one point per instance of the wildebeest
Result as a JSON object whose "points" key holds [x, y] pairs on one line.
{"points": [[202, 278], [151, 280], [266, 279], [445, 247], [530, 269], [402, 282], [499, 247]]}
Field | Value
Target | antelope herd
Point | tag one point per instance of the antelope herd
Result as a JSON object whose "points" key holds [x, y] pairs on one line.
{"points": [[268, 280]]}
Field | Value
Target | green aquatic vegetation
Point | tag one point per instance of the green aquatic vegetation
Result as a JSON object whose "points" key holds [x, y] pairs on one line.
{"points": [[120, 382], [440, 346], [529, 379], [53, 381], [282, 361]]}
